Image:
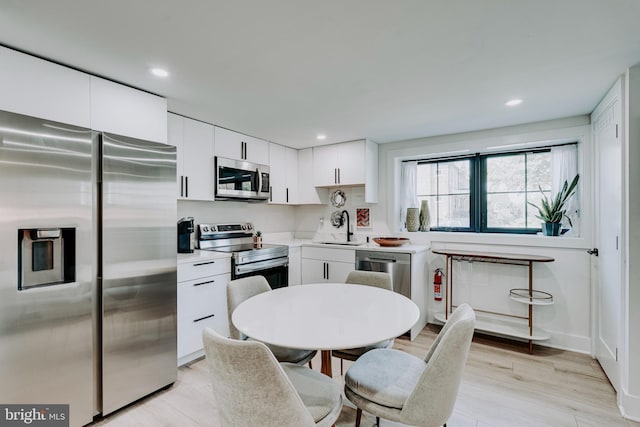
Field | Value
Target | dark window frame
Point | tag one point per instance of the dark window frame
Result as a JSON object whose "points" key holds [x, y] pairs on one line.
{"points": [[478, 190]]}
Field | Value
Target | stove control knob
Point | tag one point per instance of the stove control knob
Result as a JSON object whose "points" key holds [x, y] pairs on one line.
{"points": [[205, 228], [244, 226], [250, 226], [213, 228]]}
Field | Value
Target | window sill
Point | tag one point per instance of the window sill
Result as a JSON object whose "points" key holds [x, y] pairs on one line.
{"points": [[527, 240]]}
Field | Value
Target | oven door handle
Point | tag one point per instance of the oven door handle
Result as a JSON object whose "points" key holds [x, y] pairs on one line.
{"points": [[261, 265]]}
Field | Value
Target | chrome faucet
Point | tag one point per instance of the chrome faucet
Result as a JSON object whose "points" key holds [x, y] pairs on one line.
{"points": [[349, 233]]}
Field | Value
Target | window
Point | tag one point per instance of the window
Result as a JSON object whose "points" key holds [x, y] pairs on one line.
{"points": [[486, 192], [446, 185]]}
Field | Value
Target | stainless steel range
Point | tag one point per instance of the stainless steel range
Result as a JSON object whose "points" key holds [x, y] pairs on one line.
{"points": [[247, 258]]}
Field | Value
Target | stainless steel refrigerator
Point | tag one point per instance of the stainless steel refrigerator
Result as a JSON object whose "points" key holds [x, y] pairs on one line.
{"points": [[87, 267]]}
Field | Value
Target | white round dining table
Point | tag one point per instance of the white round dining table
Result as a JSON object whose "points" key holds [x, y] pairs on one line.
{"points": [[326, 316]]}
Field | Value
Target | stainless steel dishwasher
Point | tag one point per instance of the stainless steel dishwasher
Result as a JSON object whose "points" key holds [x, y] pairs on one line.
{"points": [[398, 265]]}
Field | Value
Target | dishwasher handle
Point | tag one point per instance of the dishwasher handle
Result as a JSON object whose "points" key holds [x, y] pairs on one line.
{"points": [[382, 260]]}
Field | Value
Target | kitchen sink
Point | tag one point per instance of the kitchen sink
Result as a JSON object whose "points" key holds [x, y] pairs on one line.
{"points": [[341, 243]]}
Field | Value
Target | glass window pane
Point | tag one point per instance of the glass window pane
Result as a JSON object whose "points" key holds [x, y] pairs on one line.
{"points": [[446, 185], [539, 171], [453, 177], [427, 179], [506, 210], [505, 173], [534, 197], [452, 211]]}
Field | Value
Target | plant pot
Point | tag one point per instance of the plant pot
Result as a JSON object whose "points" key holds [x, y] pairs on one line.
{"points": [[551, 228]]}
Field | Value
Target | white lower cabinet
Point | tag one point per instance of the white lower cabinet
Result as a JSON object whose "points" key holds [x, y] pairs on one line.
{"points": [[294, 266], [319, 265], [202, 302]]}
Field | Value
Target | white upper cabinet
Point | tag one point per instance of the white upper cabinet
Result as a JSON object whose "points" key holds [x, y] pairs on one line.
{"points": [[234, 145], [277, 174], [195, 169], [308, 193], [39, 88], [283, 178], [348, 164], [291, 155], [175, 137], [125, 111]]}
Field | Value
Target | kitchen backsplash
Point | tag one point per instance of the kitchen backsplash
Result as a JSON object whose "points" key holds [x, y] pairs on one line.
{"points": [[305, 219]]}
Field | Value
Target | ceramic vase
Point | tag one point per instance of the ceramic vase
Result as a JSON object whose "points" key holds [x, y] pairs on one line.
{"points": [[413, 219], [425, 216]]}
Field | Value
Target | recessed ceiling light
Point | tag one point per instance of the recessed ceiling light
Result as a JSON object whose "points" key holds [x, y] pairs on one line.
{"points": [[321, 137], [159, 72], [513, 102]]}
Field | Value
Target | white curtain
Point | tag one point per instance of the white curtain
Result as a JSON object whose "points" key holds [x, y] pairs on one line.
{"points": [[408, 188], [564, 167]]}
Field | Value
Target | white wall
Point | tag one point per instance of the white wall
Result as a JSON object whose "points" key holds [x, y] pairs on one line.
{"points": [[266, 218], [315, 220], [568, 278], [630, 369]]}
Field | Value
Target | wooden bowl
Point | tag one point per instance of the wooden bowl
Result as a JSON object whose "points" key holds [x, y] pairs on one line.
{"points": [[391, 241]]}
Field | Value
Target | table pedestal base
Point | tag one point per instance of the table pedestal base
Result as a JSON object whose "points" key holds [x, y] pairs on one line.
{"points": [[325, 368]]}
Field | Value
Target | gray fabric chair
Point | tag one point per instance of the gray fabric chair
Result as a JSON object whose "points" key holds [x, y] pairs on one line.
{"points": [[400, 387], [252, 388], [240, 290], [369, 278]]}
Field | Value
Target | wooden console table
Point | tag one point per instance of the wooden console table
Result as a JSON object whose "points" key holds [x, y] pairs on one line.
{"points": [[528, 296]]}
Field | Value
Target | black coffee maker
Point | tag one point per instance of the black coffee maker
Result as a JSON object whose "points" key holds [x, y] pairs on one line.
{"points": [[185, 229]]}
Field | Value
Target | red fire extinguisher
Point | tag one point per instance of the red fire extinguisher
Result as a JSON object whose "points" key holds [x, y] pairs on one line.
{"points": [[437, 284]]}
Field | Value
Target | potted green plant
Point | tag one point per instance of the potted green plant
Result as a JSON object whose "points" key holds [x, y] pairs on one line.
{"points": [[552, 211]]}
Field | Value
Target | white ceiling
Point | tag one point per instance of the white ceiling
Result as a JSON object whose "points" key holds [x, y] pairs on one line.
{"points": [[285, 70]]}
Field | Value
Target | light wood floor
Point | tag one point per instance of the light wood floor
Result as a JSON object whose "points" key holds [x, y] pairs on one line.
{"points": [[503, 385]]}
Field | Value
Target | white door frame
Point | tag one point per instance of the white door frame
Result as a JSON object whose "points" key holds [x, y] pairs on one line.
{"points": [[613, 368]]}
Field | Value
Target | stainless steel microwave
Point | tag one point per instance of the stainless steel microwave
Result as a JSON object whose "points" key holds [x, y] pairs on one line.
{"points": [[237, 179]]}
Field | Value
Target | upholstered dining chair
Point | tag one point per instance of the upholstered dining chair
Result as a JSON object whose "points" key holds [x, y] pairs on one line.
{"points": [[252, 388], [400, 387], [369, 278], [242, 289]]}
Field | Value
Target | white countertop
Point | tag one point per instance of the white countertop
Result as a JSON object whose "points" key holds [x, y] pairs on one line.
{"points": [[199, 255], [372, 246]]}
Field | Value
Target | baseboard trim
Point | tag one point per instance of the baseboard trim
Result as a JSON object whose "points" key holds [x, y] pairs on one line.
{"points": [[629, 406]]}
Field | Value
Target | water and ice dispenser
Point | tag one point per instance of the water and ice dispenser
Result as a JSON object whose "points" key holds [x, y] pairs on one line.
{"points": [[46, 256]]}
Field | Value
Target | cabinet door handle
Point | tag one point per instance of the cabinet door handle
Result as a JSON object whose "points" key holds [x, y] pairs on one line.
{"points": [[181, 185], [203, 318], [287, 195], [204, 283], [186, 186], [270, 193], [338, 175], [198, 264]]}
